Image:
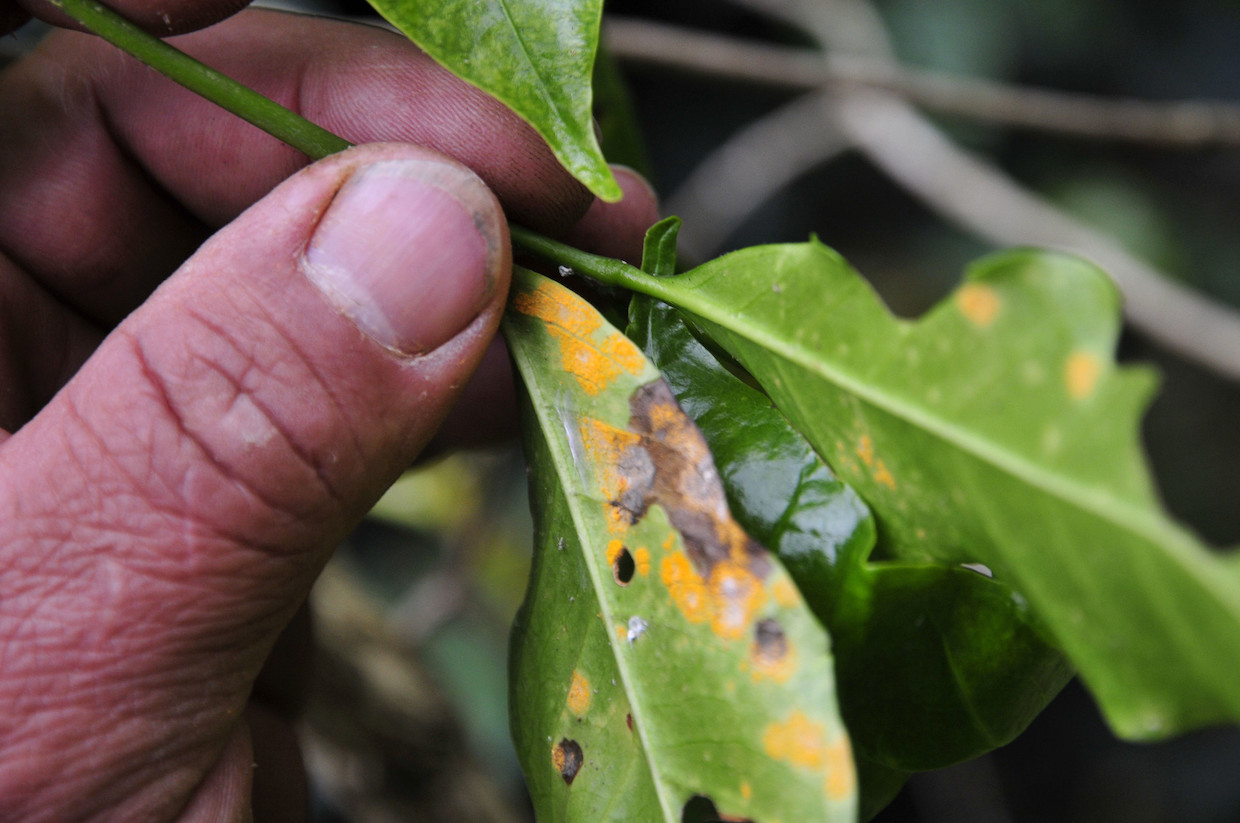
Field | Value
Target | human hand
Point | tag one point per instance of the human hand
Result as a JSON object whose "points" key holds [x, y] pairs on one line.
{"points": [[181, 463]]}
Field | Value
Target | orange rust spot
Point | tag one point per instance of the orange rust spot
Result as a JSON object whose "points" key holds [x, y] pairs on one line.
{"points": [[621, 350], [772, 654], [558, 306], [686, 586], [979, 304], [1081, 374], [593, 370], [622, 631], [736, 594], [728, 599], [572, 322], [670, 543], [799, 740], [786, 594], [605, 447], [642, 558], [614, 548], [746, 790], [841, 780], [865, 450], [579, 694], [883, 475]]}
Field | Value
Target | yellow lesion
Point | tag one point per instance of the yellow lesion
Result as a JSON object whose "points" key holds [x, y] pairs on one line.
{"points": [[841, 780], [979, 304], [785, 593], [865, 449], [621, 350], [799, 740], [1081, 373], [556, 306], [736, 595], [883, 475], [614, 549], [573, 323], [804, 743], [728, 599], [604, 445], [877, 467], [593, 370], [686, 586], [641, 558], [746, 790], [579, 694]]}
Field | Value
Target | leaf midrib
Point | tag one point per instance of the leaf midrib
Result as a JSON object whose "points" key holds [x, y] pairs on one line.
{"points": [[543, 86], [560, 458], [1063, 488]]}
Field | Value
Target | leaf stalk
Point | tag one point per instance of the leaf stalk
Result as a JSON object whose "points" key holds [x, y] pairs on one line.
{"points": [[310, 139], [203, 80]]}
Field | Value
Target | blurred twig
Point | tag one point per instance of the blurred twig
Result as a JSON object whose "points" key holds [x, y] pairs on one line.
{"points": [[955, 184], [731, 182], [1180, 124], [380, 738]]}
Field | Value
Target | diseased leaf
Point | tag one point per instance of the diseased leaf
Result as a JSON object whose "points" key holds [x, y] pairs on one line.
{"points": [[661, 655], [996, 429], [935, 663], [535, 56]]}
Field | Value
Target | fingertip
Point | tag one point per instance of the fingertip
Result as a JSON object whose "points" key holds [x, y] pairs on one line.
{"points": [[411, 249], [619, 229]]}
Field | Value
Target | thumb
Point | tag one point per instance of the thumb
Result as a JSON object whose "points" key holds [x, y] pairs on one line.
{"points": [[164, 516]]}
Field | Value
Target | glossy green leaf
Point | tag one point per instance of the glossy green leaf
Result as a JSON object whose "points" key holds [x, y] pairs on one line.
{"points": [[935, 664], [661, 655], [535, 56], [996, 429]]}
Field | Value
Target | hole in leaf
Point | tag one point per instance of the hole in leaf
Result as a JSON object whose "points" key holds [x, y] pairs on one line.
{"points": [[567, 758], [623, 567], [701, 809]]}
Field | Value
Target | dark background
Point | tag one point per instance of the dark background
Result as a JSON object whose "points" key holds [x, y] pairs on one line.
{"points": [[409, 716]]}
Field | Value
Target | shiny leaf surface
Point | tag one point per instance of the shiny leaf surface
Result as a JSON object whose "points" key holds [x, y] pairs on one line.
{"points": [[996, 429], [935, 663], [535, 56], [661, 655]]}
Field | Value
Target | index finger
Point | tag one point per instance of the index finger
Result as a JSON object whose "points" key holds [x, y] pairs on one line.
{"points": [[110, 161], [161, 17]]}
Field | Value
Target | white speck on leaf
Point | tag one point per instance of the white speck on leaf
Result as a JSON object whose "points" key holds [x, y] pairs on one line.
{"points": [[637, 627]]}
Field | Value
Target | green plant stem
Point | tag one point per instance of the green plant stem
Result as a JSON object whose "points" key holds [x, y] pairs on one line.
{"points": [[300, 133], [603, 269], [247, 104]]}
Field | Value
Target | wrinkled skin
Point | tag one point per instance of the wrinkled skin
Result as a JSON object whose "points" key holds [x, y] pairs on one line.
{"points": [[152, 548]]}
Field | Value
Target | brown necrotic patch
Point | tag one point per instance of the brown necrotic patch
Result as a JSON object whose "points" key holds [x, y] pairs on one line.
{"points": [[686, 484], [721, 578], [662, 458], [567, 758], [772, 655]]}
